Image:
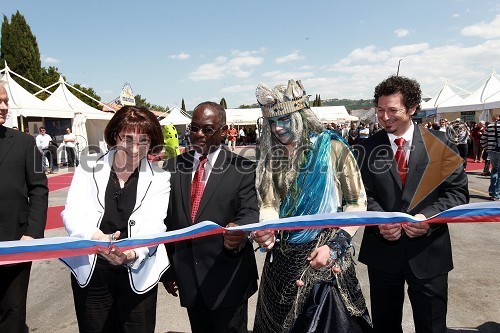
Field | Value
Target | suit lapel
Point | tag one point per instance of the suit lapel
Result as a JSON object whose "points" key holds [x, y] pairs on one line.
{"points": [[416, 165], [185, 170], [144, 182], [6, 141], [388, 160], [215, 177], [101, 175]]}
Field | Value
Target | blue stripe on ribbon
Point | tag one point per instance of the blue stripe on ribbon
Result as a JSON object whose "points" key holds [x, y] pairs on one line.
{"points": [[42, 249]]}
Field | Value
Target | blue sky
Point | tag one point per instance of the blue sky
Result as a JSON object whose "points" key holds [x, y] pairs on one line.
{"points": [[206, 50]]}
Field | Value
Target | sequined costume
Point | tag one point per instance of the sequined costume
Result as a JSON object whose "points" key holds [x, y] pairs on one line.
{"points": [[328, 180]]}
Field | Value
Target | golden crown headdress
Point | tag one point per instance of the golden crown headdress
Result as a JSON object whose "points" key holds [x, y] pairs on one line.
{"points": [[281, 99]]}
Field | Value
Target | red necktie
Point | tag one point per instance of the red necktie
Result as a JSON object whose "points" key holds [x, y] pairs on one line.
{"points": [[400, 158], [197, 187]]}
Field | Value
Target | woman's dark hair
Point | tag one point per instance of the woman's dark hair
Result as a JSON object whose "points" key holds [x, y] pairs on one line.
{"points": [[135, 119], [409, 88]]}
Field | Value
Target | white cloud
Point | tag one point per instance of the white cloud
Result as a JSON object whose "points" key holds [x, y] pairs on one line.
{"points": [[107, 92], [240, 66], [237, 89], [238, 53], [401, 32], [409, 49], [280, 77], [50, 60], [355, 77], [456, 15], [484, 30], [294, 56], [180, 56]]}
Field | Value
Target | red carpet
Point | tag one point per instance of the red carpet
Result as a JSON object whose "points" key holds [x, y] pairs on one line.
{"points": [[472, 166], [60, 181], [54, 219]]}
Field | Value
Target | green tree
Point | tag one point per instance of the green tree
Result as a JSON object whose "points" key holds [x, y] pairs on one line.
{"points": [[89, 91], [141, 102], [318, 103], [183, 105], [251, 106], [49, 76], [160, 108], [5, 43], [20, 50], [223, 103]]}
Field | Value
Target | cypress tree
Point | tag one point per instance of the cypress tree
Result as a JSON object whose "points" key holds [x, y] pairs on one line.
{"points": [[319, 100], [223, 103], [183, 105], [20, 49], [5, 43]]}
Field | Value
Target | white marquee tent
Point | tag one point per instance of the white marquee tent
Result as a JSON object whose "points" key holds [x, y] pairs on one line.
{"points": [[324, 113], [243, 116], [445, 97], [176, 117], [23, 103], [329, 114], [483, 99], [88, 122]]}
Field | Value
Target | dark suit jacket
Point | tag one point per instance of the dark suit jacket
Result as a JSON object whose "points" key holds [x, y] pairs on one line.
{"points": [[23, 186], [223, 278], [428, 255]]}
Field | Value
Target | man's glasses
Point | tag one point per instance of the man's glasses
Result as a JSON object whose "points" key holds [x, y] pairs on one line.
{"points": [[205, 130], [129, 141]]}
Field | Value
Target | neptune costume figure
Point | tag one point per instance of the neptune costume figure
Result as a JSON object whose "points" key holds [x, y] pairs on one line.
{"points": [[308, 283]]}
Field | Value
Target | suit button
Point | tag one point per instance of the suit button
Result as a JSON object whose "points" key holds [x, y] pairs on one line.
{"points": [[196, 261], [132, 223]]}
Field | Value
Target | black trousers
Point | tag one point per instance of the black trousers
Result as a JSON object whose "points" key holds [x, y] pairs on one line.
{"points": [[462, 150], [14, 281], [227, 320], [428, 298], [108, 304], [70, 156]]}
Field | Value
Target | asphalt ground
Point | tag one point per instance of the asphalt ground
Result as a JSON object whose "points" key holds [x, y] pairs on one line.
{"points": [[474, 283]]}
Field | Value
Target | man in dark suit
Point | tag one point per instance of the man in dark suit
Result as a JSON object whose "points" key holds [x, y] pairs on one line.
{"points": [[406, 168], [24, 198], [215, 274]]}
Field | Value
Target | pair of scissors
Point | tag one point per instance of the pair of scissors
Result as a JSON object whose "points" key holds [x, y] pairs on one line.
{"points": [[111, 239]]}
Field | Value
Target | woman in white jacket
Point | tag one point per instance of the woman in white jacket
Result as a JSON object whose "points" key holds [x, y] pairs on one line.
{"points": [[119, 195]]}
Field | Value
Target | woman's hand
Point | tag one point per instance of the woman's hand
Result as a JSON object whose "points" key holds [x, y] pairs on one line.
{"points": [[265, 238], [113, 253], [115, 256], [320, 258]]}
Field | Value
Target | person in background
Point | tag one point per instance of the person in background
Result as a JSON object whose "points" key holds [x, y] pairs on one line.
{"points": [[399, 167], [476, 134], [364, 132], [308, 283], [24, 199], [461, 135], [376, 129], [185, 139], [70, 145], [491, 143], [215, 275], [353, 135], [43, 141], [27, 130], [232, 135], [243, 136], [124, 195]]}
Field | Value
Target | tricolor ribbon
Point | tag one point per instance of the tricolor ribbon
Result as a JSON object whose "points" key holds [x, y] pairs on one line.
{"points": [[61, 247]]}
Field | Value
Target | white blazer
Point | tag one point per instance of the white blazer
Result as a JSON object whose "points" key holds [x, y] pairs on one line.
{"points": [[84, 211]]}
